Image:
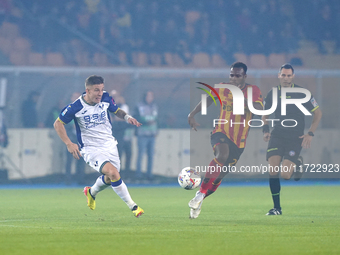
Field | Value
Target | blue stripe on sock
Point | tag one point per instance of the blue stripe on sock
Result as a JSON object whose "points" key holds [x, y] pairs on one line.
{"points": [[103, 179], [116, 183], [91, 194]]}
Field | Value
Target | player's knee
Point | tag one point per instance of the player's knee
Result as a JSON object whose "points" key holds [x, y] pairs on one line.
{"points": [[222, 157], [111, 172], [273, 174], [286, 176], [114, 175]]}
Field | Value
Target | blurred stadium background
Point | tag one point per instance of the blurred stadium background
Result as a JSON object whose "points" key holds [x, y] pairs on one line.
{"points": [[52, 46]]}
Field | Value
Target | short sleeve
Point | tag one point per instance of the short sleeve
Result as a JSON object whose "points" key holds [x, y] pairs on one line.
{"points": [[257, 95], [268, 100], [113, 107], [311, 105], [68, 113]]}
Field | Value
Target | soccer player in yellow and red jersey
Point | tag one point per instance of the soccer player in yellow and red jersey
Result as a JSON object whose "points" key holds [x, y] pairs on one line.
{"points": [[228, 140]]}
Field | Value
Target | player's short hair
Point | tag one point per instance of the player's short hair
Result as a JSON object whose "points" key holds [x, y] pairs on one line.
{"points": [[93, 80], [287, 66], [240, 65], [146, 93]]}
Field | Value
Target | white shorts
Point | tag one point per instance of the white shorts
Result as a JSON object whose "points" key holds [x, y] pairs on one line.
{"points": [[97, 157]]}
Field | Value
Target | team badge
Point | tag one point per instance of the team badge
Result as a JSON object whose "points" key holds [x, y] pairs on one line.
{"points": [[292, 153]]}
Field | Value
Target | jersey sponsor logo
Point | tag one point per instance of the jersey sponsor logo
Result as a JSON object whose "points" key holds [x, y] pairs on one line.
{"points": [[94, 120]]}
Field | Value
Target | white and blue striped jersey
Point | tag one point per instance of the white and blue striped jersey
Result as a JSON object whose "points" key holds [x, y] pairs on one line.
{"points": [[93, 124]]}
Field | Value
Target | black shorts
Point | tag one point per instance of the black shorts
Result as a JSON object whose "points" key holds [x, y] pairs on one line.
{"points": [[234, 151], [287, 149]]}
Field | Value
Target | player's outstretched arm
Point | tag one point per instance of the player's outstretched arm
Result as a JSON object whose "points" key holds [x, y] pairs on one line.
{"points": [[307, 139], [191, 117], [71, 147], [128, 118]]}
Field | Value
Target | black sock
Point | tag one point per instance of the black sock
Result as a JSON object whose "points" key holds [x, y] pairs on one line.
{"points": [[275, 187]]}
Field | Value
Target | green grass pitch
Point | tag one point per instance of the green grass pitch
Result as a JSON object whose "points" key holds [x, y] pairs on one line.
{"points": [[232, 221]]}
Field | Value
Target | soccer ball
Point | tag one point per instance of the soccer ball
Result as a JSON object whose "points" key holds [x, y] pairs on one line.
{"points": [[189, 179]]}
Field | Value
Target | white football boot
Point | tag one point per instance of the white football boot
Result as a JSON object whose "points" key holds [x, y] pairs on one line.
{"points": [[196, 201], [194, 213]]}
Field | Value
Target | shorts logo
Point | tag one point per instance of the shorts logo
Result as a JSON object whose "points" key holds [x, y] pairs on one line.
{"points": [[292, 153]]}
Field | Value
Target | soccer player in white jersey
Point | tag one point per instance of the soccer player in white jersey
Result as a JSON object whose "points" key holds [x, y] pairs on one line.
{"points": [[97, 145]]}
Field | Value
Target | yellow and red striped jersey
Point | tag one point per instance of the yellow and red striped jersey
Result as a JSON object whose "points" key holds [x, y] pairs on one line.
{"points": [[237, 128]]}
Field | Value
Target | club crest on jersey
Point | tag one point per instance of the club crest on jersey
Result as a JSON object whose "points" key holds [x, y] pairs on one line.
{"points": [[292, 153]]}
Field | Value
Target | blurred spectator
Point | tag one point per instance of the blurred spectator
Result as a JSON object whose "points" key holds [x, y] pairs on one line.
{"points": [[325, 29], [53, 114], [181, 27], [5, 8], [29, 114], [92, 5], [170, 36], [147, 114], [288, 38], [3, 131], [122, 131]]}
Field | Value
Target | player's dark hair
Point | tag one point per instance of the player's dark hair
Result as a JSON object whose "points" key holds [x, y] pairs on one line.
{"points": [[94, 80], [146, 93], [287, 66], [239, 65]]}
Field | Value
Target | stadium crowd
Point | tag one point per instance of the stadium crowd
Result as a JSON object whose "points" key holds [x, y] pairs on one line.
{"points": [[178, 27]]}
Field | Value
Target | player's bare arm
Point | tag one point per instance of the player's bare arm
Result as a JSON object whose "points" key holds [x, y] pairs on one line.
{"points": [[129, 119], [191, 117], [266, 135], [71, 147], [258, 106], [307, 139]]}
